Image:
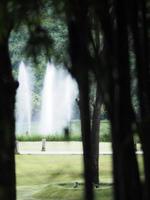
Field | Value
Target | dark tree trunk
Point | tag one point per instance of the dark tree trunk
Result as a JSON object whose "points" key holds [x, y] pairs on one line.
{"points": [[141, 49], [117, 98], [7, 125], [127, 181], [78, 38], [95, 135], [86, 136]]}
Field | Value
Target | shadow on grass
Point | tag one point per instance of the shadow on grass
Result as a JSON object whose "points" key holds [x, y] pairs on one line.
{"points": [[71, 191]]}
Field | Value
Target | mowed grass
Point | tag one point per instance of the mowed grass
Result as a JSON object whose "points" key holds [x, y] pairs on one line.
{"points": [[46, 177], [50, 177]]}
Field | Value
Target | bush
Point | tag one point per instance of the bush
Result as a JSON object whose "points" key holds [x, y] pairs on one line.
{"points": [[37, 137], [105, 135]]}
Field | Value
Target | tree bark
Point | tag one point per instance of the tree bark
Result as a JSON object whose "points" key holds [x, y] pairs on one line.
{"points": [[7, 124], [95, 135], [77, 12], [117, 97], [126, 174], [141, 49], [86, 137]]}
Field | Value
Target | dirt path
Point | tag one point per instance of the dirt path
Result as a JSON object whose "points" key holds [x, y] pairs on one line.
{"points": [[58, 148]]}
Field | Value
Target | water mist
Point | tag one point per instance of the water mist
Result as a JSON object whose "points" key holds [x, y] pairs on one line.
{"points": [[23, 101], [58, 98]]}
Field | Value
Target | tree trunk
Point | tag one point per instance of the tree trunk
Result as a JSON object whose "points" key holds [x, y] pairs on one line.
{"points": [[95, 135], [117, 97], [140, 46], [86, 137], [7, 125], [77, 12], [126, 174]]}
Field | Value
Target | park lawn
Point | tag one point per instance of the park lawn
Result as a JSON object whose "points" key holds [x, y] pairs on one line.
{"points": [[49, 177], [43, 177]]}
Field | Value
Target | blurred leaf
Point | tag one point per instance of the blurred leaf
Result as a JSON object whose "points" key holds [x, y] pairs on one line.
{"points": [[38, 42]]}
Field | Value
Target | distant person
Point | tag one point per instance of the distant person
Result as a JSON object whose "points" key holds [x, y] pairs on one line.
{"points": [[67, 133]]}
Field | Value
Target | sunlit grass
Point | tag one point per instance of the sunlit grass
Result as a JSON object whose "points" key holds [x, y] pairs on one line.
{"points": [[40, 176], [45, 169], [50, 177], [55, 192]]}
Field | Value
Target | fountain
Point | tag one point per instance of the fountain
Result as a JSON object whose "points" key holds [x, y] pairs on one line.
{"points": [[58, 97], [70, 96], [46, 120], [23, 102]]}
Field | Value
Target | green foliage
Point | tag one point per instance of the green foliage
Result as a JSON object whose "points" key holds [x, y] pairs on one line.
{"points": [[37, 137], [105, 135], [39, 42], [17, 42], [58, 30], [48, 39], [49, 33]]}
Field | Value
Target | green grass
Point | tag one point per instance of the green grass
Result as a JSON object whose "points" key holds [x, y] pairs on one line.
{"points": [[55, 192], [50, 177], [75, 133], [49, 168], [47, 177]]}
